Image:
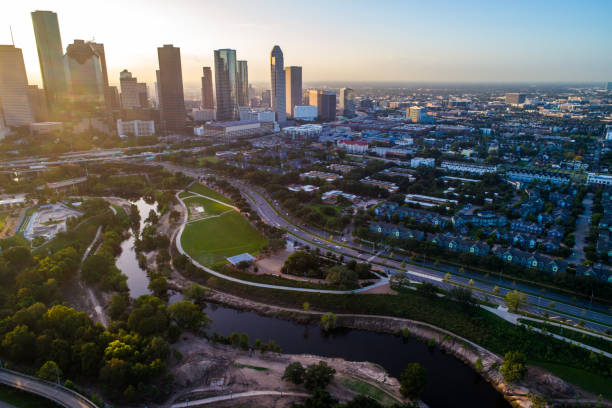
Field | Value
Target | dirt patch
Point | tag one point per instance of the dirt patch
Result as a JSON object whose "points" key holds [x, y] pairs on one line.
{"points": [[272, 264], [208, 369], [386, 288]]}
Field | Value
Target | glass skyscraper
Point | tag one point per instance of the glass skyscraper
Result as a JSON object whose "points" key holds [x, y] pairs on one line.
{"points": [[50, 54], [170, 88], [242, 84], [277, 79], [225, 84]]}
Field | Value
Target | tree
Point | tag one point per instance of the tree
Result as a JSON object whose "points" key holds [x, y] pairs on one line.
{"points": [[427, 289], [342, 277], [149, 316], [188, 316], [159, 286], [413, 381], [328, 321], [318, 376], [294, 373], [515, 300], [19, 343], [118, 305], [462, 296], [49, 371], [513, 369], [196, 293], [95, 268]]}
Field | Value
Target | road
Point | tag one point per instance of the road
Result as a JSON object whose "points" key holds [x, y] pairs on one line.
{"points": [[56, 393], [595, 316]]}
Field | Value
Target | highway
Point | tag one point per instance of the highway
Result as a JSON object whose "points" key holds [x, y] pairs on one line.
{"points": [[54, 392], [595, 316]]}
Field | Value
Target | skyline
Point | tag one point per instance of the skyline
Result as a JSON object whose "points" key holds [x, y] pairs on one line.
{"points": [[397, 42]]}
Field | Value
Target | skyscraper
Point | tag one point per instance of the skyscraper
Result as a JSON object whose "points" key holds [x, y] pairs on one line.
{"points": [[242, 83], [50, 55], [277, 78], [133, 93], [14, 102], [170, 83], [83, 67], [225, 84], [347, 102], [293, 85], [208, 101], [325, 103], [38, 103]]}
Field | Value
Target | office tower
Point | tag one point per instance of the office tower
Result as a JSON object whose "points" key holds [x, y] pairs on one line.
{"points": [[225, 84], [133, 93], [170, 83], [50, 55], [418, 114], [325, 103], [347, 102], [113, 100], [84, 73], [38, 103], [242, 83], [515, 98], [14, 102], [277, 72], [266, 98], [609, 86], [293, 88], [208, 101]]}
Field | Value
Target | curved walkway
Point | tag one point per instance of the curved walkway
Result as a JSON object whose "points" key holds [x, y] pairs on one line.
{"points": [[54, 392], [381, 282], [219, 398]]}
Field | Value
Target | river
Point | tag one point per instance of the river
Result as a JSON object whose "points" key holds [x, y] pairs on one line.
{"points": [[127, 262], [450, 382]]}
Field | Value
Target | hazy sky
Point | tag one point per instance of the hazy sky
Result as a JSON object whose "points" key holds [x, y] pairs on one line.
{"points": [[336, 40]]}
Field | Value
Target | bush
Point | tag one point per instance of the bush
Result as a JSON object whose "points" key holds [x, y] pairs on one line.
{"points": [[413, 381], [513, 369], [295, 373]]}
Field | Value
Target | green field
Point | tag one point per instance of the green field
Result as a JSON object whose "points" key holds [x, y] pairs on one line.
{"points": [[210, 241], [320, 208], [209, 159], [200, 189], [210, 207], [582, 378]]}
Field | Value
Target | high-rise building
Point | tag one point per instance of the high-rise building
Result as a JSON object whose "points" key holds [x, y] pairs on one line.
{"points": [[133, 93], [242, 83], [14, 101], [418, 114], [38, 103], [83, 67], [266, 98], [277, 71], [609, 86], [225, 84], [170, 87], [50, 55], [208, 101], [347, 102], [325, 102], [293, 85], [515, 98]]}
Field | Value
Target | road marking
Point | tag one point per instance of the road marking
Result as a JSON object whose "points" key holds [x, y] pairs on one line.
{"points": [[422, 275]]}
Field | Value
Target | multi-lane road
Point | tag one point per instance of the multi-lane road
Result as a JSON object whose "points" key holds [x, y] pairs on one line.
{"points": [[595, 315]]}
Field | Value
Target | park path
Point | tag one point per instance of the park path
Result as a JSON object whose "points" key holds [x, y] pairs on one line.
{"points": [[246, 394], [179, 247], [92, 297]]}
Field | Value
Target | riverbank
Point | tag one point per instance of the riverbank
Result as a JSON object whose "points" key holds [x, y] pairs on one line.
{"points": [[205, 369], [538, 380]]}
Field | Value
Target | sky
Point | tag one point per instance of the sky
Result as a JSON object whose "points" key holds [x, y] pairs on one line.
{"points": [[339, 40]]}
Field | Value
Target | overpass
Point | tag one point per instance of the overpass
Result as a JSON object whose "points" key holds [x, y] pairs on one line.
{"points": [[59, 394]]}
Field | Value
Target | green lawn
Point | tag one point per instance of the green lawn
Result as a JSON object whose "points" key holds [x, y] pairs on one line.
{"points": [[200, 189], [364, 388], [210, 207], [320, 209], [22, 399], [211, 241], [584, 379], [209, 159]]}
